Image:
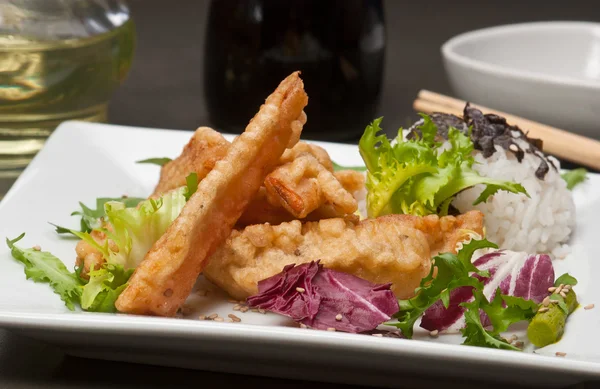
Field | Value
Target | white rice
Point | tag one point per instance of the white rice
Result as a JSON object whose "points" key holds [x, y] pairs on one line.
{"points": [[539, 224]]}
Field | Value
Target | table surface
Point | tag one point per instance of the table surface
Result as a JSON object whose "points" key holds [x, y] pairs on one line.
{"points": [[164, 90]]}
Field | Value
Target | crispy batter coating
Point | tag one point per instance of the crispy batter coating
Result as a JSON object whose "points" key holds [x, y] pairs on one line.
{"points": [[393, 248], [351, 180], [302, 148], [303, 185], [164, 279], [199, 155]]}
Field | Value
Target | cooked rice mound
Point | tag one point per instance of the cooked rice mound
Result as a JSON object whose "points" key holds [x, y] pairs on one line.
{"points": [[540, 224]]}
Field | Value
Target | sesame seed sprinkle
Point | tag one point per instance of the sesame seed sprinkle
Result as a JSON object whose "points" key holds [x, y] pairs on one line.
{"points": [[434, 333], [234, 318], [37, 247], [218, 319], [542, 310], [563, 295], [338, 317], [213, 316], [244, 309], [546, 301], [588, 307], [552, 289], [561, 354], [554, 301], [237, 307], [300, 290]]}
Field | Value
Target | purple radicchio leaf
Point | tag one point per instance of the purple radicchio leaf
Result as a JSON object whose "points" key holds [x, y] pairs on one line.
{"points": [[516, 274], [316, 296]]}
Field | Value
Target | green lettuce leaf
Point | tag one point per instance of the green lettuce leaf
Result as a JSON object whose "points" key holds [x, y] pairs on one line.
{"points": [[565, 279], [453, 271], [92, 218], [416, 176], [474, 333], [156, 161], [516, 310], [574, 177], [41, 266], [104, 287], [135, 229]]}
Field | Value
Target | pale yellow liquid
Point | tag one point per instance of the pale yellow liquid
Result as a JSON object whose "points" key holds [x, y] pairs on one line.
{"points": [[45, 83]]}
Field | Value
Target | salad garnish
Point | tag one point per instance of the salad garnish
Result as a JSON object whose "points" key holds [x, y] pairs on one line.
{"points": [[162, 161], [574, 177], [41, 266], [326, 299], [418, 176]]}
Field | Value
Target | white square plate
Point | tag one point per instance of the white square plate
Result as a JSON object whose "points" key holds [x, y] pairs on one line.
{"points": [[83, 161]]}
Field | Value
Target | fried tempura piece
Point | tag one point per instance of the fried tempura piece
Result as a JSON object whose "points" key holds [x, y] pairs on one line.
{"points": [[303, 185], [393, 248], [302, 148], [351, 180], [199, 155], [89, 257], [164, 279]]}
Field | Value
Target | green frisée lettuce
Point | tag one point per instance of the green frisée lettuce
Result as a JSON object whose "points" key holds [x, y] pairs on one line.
{"points": [[453, 271], [41, 266], [418, 176], [503, 311], [131, 228], [134, 230], [92, 218], [103, 288]]}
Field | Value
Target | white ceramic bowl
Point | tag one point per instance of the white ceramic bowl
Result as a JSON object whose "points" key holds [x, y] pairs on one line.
{"points": [[544, 71]]}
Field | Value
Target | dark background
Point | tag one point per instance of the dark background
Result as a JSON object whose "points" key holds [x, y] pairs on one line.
{"points": [[165, 90], [165, 86]]}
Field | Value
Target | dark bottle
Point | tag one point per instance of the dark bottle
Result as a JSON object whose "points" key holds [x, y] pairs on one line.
{"points": [[338, 45]]}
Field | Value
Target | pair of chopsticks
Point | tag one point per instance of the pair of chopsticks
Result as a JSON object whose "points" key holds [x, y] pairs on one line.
{"points": [[560, 143]]}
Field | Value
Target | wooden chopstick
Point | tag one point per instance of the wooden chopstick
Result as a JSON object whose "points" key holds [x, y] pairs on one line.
{"points": [[560, 143]]}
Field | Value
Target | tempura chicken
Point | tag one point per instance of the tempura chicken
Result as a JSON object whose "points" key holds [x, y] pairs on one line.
{"points": [[393, 248], [199, 155], [165, 277]]}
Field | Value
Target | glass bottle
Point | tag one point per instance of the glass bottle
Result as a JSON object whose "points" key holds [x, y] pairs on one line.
{"points": [[59, 60], [338, 45]]}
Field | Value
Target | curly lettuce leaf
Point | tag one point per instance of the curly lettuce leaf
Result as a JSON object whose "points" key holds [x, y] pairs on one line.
{"points": [[92, 218], [574, 177], [453, 271], [41, 266], [156, 161], [503, 311], [104, 287], [474, 333], [417, 176], [135, 229]]}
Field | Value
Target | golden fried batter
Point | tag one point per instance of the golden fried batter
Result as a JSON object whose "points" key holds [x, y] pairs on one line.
{"points": [[392, 248], [204, 149], [164, 279], [303, 185]]}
